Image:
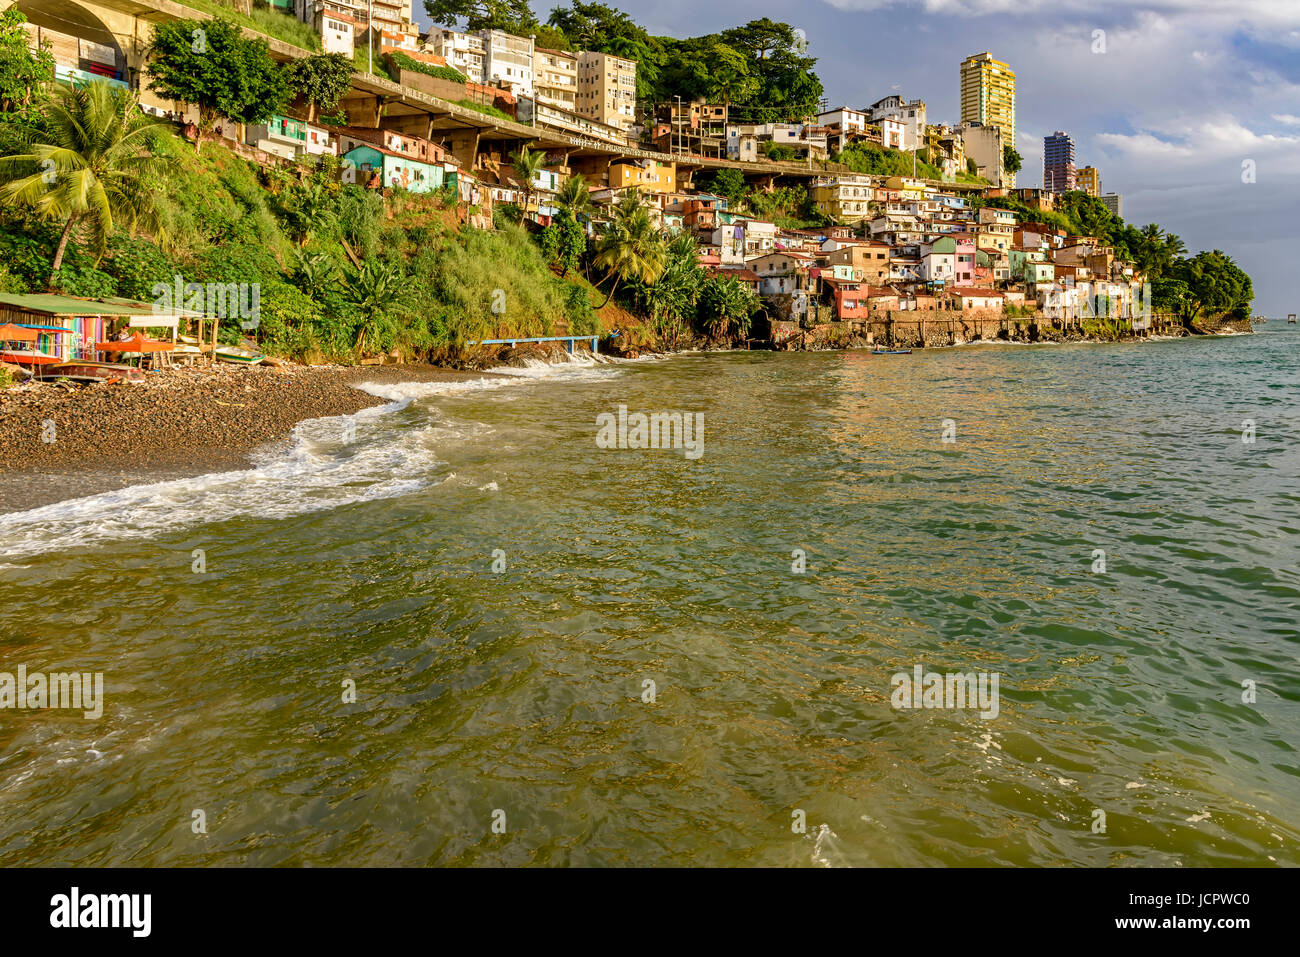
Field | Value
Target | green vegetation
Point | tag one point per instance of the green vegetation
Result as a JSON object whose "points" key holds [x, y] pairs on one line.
{"points": [[869, 158], [790, 207], [630, 248], [1011, 161], [342, 272], [396, 60], [361, 60], [87, 167], [321, 80], [484, 108], [726, 307], [211, 64], [265, 20], [22, 73], [527, 164]]}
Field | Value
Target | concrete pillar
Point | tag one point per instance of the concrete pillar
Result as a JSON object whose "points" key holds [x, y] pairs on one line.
{"points": [[464, 147]]}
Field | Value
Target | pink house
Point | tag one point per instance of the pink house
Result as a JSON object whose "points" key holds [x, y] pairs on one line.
{"points": [[964, 266]]}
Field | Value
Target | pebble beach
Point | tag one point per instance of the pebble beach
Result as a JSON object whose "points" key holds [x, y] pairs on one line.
{"points": [[60, 441]]}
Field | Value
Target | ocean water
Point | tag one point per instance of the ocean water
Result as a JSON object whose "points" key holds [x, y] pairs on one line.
{"points": [[565, 654]]}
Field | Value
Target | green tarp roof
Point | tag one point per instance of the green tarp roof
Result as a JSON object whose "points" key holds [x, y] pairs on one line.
{"points": [[51, 305]]}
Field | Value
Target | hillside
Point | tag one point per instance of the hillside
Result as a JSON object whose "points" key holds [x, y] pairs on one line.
{"points": [[341, 270]]}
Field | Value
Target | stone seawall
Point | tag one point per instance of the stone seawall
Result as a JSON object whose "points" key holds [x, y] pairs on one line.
{"points": [[931, 329]]}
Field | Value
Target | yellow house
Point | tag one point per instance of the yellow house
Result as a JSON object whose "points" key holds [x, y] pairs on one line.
{"points": [[648, 176], [907, 187], [845, 199], [1089, 180]]}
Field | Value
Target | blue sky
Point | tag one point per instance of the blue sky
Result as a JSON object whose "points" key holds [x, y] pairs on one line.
{"points": [[1184, 94]]}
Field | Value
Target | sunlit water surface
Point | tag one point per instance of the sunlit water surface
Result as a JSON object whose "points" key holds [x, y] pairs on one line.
{"points": [[363, 551]]}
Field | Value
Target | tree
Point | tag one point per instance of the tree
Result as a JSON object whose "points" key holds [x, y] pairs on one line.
{"points": [[729, 183], [512, 16], [673, 298], [211, 64], [321, 80], [22, 72], [313, 273], [306, 208], [706, 68], [1011, 161], [726, 306], [630, 247], [551, 38], [604, 29], [787, 86], [1216, 286], [93, 167], [563, 243], [1170, 295], [575, 196], [527, 164]]}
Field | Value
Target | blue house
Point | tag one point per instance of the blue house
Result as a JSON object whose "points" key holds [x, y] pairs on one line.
{"points": [[398, 171]]}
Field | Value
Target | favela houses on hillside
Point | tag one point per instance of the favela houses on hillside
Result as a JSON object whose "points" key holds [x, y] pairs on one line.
{"points": [[470, 434]]}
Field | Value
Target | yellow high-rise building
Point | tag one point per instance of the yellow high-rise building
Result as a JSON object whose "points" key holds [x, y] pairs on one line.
{"points": [[988, 94], [1089, 180]]}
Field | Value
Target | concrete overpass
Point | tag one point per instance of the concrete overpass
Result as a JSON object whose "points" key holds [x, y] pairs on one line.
{"points": [[377, 101]]}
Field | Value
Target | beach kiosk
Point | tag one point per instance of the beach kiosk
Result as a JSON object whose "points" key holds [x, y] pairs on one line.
{"points": [[70, 328]]}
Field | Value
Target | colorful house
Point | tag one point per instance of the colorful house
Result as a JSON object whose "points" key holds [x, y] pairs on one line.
{"points": [[290, 138], [397, 171]]}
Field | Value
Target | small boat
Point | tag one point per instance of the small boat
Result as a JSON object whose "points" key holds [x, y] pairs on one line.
{"points": [[234, 354], [891, 352], [85, 370]]}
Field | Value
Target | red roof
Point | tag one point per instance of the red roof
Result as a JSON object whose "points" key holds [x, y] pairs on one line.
{"points": [[431, 58], [744, 275]]}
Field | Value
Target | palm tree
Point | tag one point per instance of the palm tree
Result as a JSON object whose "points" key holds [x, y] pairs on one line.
{"points": [[575, 196], [527, 164], [630, 247], [91, 166], [376, 292]]}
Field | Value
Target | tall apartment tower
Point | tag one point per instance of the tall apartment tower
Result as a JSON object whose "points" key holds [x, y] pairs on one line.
{"points": [[607, 88], [988, 96], [1058, 162]]}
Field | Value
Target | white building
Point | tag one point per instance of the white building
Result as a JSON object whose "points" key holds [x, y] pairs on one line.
{"points": [[893, 134], [462, 51], [845, 118], [509, 60], [908, 114]]}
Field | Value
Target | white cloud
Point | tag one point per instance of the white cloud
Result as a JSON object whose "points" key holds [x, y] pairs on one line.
{"points": [[1287, 119]]}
